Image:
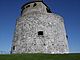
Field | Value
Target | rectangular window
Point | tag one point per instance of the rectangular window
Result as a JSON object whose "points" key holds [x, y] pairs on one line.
{"points": [[13, 47], [40, 33]]}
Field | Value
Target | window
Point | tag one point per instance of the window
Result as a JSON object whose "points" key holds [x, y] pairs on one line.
{"points": [[67, 36], [44, 44], [52, 44], [13, 47], [34, 4], [40, 33], [34, 44], [27, 6], [48, 10], [62, 45]]}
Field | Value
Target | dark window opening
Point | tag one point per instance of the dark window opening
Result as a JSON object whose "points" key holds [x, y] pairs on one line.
{"points": [[34, 44], [44, 44], [52, 44], [62, 45], [67, 36], [13, 47], [27, 6], [48, 10], [34, 4], [40, 33]]}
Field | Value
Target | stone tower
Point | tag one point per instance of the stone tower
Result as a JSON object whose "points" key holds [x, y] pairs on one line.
{"points": [[38, 30]]}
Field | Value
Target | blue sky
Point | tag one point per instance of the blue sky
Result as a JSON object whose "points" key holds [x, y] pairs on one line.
{"points": [[69, 9]]}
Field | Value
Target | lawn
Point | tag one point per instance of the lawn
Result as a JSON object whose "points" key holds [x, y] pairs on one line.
{"points": [[40, 57]]}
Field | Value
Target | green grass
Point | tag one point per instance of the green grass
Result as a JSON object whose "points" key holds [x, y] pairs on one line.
{"points": [[40, 57]]}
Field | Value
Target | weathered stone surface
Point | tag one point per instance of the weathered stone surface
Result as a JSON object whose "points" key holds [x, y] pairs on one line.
{"points": [[40, 32]]}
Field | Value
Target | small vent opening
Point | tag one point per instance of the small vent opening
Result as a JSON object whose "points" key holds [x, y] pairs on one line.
{"points": [[40, 33]]}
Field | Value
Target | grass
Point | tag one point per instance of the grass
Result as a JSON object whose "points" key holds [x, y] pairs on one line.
{"points": [[40, 57]]}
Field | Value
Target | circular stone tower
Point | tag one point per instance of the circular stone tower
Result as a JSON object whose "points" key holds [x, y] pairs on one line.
{"points": [[38, 30]]}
